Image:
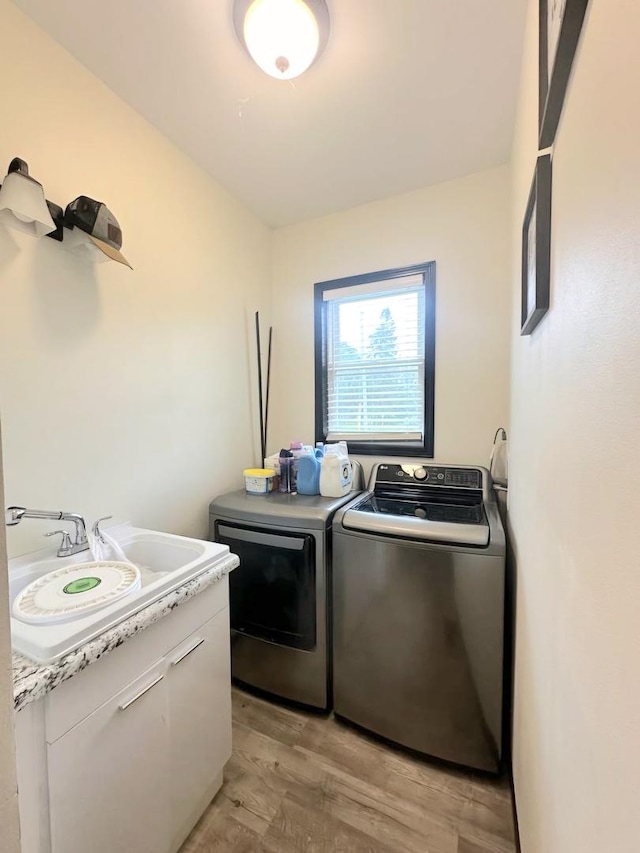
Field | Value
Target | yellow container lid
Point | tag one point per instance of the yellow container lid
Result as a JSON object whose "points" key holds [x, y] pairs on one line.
{"points": [[259, 472]]}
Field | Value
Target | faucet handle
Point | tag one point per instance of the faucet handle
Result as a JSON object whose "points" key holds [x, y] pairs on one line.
{"points": [[96, 528], [65, 545]]}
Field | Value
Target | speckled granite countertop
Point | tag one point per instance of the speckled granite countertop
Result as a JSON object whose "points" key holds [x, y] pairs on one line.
{"points": [[33, 680]]}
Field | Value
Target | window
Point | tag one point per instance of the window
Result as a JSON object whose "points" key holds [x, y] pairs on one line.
{"points": [[375, 358]]}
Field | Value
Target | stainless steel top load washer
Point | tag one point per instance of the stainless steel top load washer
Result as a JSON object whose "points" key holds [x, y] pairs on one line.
{"points": [[418, 611], [280, 637]]}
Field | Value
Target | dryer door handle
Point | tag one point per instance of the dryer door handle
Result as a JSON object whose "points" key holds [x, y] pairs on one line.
{"points": [[275, 540]]}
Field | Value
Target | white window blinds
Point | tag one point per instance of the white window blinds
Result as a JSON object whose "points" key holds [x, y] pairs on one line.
{"points": [[375, 360]]}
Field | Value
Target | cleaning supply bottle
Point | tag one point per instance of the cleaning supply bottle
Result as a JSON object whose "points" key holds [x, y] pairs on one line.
{"points": [[308, 481], [336, 472], [286, 467], [296, 450]]}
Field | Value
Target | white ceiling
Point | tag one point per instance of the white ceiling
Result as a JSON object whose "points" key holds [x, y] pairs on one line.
{"points": [[407, 93]]}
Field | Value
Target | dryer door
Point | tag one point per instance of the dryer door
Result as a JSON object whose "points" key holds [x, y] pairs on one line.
{"points": [[273, 591]]}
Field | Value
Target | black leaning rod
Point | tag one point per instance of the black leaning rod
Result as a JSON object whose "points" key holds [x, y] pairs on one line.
{"points": [[266, 404], [262, 436]]}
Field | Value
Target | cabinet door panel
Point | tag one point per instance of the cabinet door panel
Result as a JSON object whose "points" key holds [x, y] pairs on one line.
{"points": [[108, 776], [199, 685]]}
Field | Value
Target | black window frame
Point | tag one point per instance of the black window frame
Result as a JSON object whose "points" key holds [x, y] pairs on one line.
{"points": [[388, 448]]}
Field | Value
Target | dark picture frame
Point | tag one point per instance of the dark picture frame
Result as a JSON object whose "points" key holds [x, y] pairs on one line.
{"points": [[559, 33], [536, 248]]}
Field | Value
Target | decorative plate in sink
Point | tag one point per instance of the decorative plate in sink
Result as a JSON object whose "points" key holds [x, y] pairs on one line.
{"points": [[75, 591]]}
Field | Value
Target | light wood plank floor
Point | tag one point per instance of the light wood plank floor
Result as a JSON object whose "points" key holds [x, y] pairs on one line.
{"points": [[299, 783]]}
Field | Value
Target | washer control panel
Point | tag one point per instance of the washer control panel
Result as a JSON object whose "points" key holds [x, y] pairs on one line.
{"points": [[431, 475]]}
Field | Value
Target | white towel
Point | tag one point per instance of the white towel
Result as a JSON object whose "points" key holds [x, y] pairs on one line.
{"points": [[105, 547]]}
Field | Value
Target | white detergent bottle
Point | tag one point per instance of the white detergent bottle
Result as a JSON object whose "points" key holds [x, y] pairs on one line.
{"points": [[336, 472]]}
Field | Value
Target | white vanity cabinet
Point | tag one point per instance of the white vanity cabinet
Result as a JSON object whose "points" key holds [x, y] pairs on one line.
{"points": [[127, 754]]}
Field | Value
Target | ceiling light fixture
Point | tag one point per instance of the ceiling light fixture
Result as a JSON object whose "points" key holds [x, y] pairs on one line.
{"points": [[22, 202], [283, 37]]}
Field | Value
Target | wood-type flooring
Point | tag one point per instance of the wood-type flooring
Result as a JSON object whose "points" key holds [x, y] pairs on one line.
{"points": [[302, 783]]}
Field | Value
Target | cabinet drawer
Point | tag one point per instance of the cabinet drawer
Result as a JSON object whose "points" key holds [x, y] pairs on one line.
{"points": [[88, 690]]}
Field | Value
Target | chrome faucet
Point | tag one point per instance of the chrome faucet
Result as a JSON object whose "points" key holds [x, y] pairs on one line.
{"points": [[15, 514]]}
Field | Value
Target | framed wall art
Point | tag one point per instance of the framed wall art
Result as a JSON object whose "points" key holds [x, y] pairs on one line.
{"points": [[536, 248], [560, 27]]}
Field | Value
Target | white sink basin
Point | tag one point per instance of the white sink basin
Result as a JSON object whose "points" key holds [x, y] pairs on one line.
{"points": [[165, 562]]}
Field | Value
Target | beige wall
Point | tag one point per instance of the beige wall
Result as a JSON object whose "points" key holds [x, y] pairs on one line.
{"points": [[121, 392], [463, 226], [9, 831], [575, 460]]}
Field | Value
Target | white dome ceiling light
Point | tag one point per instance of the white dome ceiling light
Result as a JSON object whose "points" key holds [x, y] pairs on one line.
{"points": [[283, 37]]}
